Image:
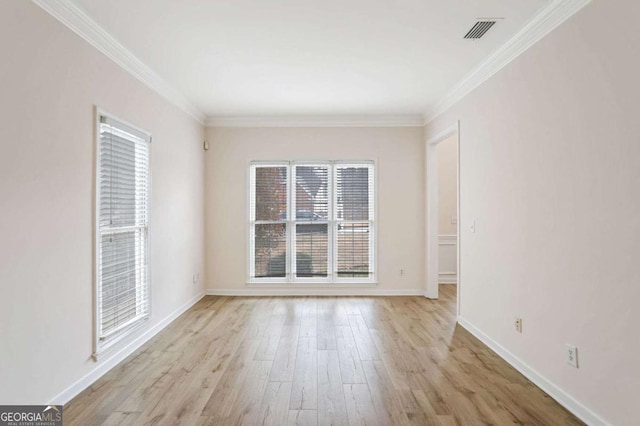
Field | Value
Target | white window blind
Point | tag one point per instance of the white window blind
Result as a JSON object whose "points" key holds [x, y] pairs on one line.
{"points": [[311, 239], [269, 221], [311, 222], [354, 216], [123, 182]]}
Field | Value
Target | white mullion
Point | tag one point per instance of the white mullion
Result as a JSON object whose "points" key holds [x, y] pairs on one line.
{"points": [[139, 245], [330, 223], [252, 226], [334, 243], [372, 265], [372, 219], [115, 230], [252, 251], [290, 263]]}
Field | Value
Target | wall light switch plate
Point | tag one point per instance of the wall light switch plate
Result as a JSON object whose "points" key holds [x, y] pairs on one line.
{"points": [[454, 220], [518, 324], [472, 227], [572, 356]]}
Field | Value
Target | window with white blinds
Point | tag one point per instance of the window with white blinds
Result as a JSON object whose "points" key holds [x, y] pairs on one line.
{"points": [[311, 222], [122, 215]]}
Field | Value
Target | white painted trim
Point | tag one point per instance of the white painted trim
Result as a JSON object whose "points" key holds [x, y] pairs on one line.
{"points": [[107, 364], [555, 392], [432, 263], [317, 121], [548, 19], [432, 201], [79, 22], [444, 134], [446, 240], [311, 291], [447, 278]]}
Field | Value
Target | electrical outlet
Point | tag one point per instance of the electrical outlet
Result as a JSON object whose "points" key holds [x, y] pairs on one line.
{"points": [[572, 356], [518, 325], [402, 272], [195, 278]]}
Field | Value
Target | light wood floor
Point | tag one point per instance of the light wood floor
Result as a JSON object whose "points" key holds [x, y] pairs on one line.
{"points": [[315, 360]]}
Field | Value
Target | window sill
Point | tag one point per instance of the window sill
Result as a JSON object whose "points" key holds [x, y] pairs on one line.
{"points": [[118, 343], [364, 284]]}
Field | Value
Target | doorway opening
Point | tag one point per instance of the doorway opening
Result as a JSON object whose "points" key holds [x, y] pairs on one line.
{"points": [[443, 212]]}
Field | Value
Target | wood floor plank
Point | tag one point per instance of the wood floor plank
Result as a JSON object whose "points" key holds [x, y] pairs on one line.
{"points": [[315, 360], [309, 321], [121, 418], [331, 403], [386, 401], [365, 344], [350, 364], [246, 407], [269, 343], [303, 418], [285, 358], [274, 410], [304, 391], [359, 403]]}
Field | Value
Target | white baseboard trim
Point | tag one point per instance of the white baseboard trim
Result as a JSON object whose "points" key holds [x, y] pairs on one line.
{"points": [[312, 292], [447, 278], [563, 398], [108, 363]]}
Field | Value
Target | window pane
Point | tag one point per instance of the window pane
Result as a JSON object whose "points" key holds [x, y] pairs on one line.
{"points": [[117, 181], [352, 198], [353, 250], [119, 269], [312, 193], [270, 250], [312, 244], [271, 193], [122, 216]]}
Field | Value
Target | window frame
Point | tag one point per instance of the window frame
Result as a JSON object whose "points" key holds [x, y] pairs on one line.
{"points": [[120, 336], [332, 225]]}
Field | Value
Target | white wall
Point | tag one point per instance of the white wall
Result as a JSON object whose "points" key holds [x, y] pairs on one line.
{"points": [[447, 185], [550, 170], [50, 81], [398, 153]]}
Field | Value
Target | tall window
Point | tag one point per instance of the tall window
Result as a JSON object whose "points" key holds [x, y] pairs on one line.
{"points": [[311, 222], [122, 240]]}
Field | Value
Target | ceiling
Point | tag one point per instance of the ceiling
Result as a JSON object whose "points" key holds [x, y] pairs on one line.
{"points": [[310, 57]]}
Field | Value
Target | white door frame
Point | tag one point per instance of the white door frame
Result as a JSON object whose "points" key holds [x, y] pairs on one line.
{"points": [[432, 210]]}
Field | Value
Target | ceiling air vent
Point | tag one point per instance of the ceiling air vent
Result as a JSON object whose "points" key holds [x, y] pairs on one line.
{"points": [[479, 29]]}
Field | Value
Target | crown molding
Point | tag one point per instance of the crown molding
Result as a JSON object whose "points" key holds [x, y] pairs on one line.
{"points": [[79, 22], [317, 121], [548, 19]]}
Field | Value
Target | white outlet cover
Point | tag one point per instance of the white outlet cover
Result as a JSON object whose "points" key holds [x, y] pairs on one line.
{"points": [[572, 356]]}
